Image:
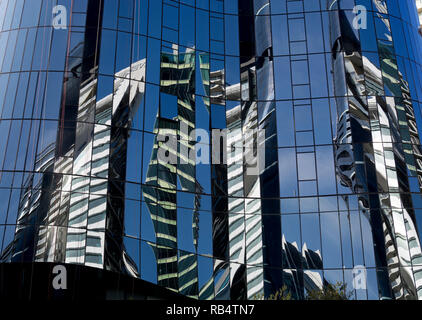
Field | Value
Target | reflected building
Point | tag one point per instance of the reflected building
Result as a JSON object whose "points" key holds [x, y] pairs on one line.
{"points": [[177, 271], [372, 155], [245, 222], [301, 271], [64, 197], [221, 150]]}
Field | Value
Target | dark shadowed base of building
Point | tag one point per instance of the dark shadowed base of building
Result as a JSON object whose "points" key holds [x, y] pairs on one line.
{"points": [[37, 281]]}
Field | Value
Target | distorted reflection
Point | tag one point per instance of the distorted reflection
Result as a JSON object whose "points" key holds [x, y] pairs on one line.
{"points": [[335, 189], [370, 158]]}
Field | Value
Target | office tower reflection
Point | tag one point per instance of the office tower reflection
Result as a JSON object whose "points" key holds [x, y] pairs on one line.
{"points": [[65, 197], [219, 149], [372, 154]]}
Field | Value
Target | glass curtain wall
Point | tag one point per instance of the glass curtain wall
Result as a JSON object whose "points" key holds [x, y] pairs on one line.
{"points": [[219, 149]]}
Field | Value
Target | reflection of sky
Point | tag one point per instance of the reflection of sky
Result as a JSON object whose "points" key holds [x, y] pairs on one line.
{"points": [[333, 276], [134, 158], [147, 227], [291, 229], [151, 106], [310, 231], [132, 218], [306, 166], [287, 172], [147, 146], [184, 230], [104, 87], [106, 64], [331, 250], [367, 36], [123, 53], [202, 30], [372, 284], [205, 233], [205, 270], [325, 170]]}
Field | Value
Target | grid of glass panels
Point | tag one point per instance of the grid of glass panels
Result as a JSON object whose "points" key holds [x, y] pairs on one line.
{"points": [[84, 109]]}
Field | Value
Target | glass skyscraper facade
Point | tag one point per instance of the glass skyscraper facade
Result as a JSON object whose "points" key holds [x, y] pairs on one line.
{"points": [[218, 149]]}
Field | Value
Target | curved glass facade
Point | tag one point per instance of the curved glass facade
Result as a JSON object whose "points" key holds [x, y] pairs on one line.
{"points": [[220, 149]]}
